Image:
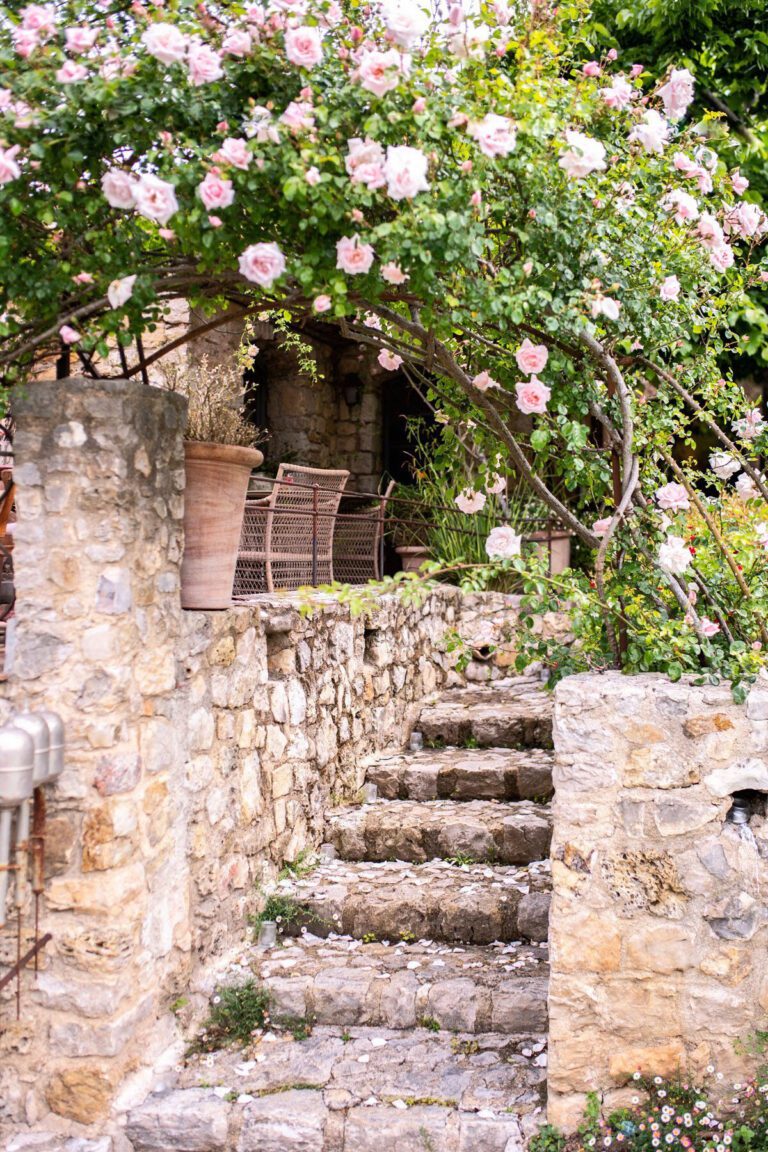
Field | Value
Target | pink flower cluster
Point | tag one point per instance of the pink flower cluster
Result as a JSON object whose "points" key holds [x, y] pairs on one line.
{"points": [[148, 194], [532, 395]]}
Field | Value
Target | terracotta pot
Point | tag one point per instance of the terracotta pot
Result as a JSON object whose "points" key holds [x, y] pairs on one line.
{"points": [[214, 501], [558, 545], [412, 557]]}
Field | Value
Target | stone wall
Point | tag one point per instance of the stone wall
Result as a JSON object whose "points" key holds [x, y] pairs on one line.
{"points": [[308, 418], [658, 927], [283, 711], [201, 748]]}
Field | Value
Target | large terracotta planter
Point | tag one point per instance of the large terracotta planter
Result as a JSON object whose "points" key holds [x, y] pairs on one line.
{"points": [[412, 556], [214, 501]]}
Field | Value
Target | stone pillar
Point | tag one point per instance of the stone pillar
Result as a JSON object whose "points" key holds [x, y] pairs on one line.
{"points": [[658, 928], [99, 466]]}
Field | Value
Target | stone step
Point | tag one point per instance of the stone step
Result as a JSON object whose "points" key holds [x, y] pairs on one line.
{"points": [[472, 904], [417, 831], [507, 714], [306, 1120], [341, 981], [350, 1090], [465, 774]]}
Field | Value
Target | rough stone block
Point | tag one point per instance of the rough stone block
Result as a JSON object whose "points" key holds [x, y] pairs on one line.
{"points": [[192, 1120], [293, 1121]]}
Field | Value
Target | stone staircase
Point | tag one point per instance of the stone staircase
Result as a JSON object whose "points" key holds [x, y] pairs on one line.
{"points": [[418, 951]]}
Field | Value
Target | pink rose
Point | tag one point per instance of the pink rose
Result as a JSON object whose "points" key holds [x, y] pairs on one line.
{"points": [[25, 40], [120, 291], [215, 221], [365, 162], [531, 358], [636, 70], [381, 72], [503, 543], [405, 20], [600, 527], [682, 204], [652, 132], [419, 106], [353, 257], [68, 335], [216, 192], [673, 498], [739, 183], [677, 93], [605, 306], [9, 169], [155, 199], [80, 40], [118, 188], [483, 381], [469, 501], [585, 155], [235, 152], [299, 117], [322, 304], [304, 46], [620, 95], [237, 43], [495, 135], [389, 360], [71, 73], [204, 64], [262, 264], [532, 396], [393, 273], [747, 219], [312, 176], [405, 170], [165, 42], [722, 257], [708, 627], [709, 231], [39, 18], [591, 69], [669, 288]]}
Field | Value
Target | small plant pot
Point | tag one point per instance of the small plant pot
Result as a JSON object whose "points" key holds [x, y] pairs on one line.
{"points": [[214, 503], [267, 934], [412, 556], [559, 545]]}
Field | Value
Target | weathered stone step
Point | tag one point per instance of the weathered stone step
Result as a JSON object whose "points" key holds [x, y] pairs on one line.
{"points": [[340, 981], [350, 1090], [507, 714], [465, 774], [300, 1120], [417, 831], [475, 904]]}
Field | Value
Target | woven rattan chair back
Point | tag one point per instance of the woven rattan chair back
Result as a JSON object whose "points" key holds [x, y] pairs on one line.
{"points": [[287, 539], [357, 542]]}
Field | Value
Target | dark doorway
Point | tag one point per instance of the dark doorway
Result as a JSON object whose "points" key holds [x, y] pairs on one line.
{"points": [[400, 403]]}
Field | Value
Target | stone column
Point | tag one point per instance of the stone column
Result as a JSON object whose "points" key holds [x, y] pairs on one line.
{"points": [[99, 467], [658, 927]]}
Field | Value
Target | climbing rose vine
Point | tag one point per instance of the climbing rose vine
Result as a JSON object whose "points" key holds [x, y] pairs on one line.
{"points": [[542, 241]]}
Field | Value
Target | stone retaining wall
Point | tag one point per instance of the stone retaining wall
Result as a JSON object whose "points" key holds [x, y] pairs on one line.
{"points": [[658, 928], [283, 711]]}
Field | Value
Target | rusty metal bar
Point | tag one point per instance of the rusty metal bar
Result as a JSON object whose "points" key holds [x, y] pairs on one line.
{"points": [[21, 964]]}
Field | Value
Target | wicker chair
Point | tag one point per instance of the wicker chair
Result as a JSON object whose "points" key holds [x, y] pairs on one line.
{"points": [[276, 543], [357, 542]]}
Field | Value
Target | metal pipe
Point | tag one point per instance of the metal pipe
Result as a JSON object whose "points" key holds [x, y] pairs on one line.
{"points": [[6, 819]]}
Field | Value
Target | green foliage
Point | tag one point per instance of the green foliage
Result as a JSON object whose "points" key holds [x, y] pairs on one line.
{"points": [[429, 1022], [236, 1013], [283, 910], [673, 1115]]}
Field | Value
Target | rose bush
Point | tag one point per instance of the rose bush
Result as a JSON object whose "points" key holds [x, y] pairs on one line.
{"points": [[498, 205]]}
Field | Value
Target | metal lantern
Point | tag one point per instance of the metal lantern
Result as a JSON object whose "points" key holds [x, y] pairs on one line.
{"points": [[34, 723], [56, 744]]}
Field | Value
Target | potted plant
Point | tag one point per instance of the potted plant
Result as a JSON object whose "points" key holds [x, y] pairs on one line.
{"points": [[219, 456]]}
